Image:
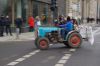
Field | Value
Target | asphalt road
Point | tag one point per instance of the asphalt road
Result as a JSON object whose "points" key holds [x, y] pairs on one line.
{"points": [[11, 51], [26, 54]]}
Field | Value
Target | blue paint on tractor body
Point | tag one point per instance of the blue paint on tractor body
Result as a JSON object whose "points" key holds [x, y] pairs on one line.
{"points": [[43, 30]]}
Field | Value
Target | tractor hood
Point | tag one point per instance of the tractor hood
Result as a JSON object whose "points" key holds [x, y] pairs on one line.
{"points": [[43, 30]]}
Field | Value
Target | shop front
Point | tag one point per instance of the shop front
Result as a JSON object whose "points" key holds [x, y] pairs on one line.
{"points": [[41, 9], [26, 8]]}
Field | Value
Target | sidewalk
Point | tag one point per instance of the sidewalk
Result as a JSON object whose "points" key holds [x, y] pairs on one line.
{"points": [[22, 37]]}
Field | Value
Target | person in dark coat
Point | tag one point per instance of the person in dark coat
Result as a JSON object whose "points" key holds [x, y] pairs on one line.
{"points": [[2, 25], [18, 23], [8, 24]]}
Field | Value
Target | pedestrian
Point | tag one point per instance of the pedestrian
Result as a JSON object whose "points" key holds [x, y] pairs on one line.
{"points": [[44, 19], [37, 24], [61, 19], [79, 21], [18, 23], [2, 25], [31, 22], [8, 25], [55, 22]]}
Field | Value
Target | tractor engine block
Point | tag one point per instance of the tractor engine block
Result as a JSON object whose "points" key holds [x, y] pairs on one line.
{"points": [[53, 36]]}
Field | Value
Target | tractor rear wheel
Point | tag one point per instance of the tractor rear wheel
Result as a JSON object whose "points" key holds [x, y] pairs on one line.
{"points": [[74, 40]]}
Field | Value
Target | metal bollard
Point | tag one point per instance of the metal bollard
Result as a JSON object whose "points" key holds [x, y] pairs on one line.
{"points": [[17, 33]]}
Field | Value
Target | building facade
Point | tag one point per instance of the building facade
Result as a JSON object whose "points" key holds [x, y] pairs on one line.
{"points": [[26, 8], [3, 7], [90, 10], [73, 8]]}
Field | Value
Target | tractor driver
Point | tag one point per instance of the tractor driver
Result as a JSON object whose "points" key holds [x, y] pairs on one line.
{"points": [[67, 27]]}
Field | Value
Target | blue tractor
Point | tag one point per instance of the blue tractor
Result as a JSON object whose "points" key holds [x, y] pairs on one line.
{"points": [[48, 35]]}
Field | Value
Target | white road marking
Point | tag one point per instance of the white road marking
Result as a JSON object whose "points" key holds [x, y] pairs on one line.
{"points": [[68, 55], [62, 61], [37, 51], [23, 58], [27, 56], [12, 63], [72, 50], [20, 59], [65, 57], [59, 65], [32, 53]]}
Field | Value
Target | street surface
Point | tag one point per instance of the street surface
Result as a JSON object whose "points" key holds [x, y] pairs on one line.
{"points": [[24, 53]]}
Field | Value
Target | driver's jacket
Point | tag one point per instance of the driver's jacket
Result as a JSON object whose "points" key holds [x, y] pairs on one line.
{"points": [[68, 26]]}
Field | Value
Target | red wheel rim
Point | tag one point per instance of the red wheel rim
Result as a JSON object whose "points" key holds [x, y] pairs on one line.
{"points": [[75, 40], [43, 43]]}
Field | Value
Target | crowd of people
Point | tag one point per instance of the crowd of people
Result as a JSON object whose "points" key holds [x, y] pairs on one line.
{"points": [[62, 20], [5, 24]]}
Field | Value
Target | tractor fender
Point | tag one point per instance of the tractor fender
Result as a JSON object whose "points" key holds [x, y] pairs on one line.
{"points": [[71, 33]]}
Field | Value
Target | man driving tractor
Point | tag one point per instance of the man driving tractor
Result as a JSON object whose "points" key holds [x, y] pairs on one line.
{"points": [[67, 27]]}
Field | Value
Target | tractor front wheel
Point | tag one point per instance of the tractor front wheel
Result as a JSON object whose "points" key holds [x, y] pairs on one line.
{"points": [[43, 43]]}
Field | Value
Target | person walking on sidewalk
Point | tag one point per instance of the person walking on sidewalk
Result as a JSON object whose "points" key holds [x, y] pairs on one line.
{"points": [[2, 25], [8, 25], [18, 23], [37, 24], [31, 23]]}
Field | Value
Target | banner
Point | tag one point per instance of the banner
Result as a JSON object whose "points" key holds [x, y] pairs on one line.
{"points": [[87, 33]]}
